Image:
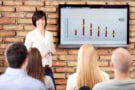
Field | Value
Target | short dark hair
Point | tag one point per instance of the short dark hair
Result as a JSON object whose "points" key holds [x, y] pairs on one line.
{"points": [[37, 15], [16, 54]]}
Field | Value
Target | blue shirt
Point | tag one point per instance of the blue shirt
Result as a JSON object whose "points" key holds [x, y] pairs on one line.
{"points": [[18, 79]]}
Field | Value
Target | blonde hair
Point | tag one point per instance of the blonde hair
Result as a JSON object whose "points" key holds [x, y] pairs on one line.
{"points": [[88, 72]]}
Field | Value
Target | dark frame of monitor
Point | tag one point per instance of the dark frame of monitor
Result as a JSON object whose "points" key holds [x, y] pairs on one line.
{"points": [[71, 45]]}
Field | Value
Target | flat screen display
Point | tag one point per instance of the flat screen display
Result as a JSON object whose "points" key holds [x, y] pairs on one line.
{"points": [[100, 25]]}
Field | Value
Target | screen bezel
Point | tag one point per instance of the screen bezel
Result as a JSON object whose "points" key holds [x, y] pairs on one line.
{"points": [[70, 45]]}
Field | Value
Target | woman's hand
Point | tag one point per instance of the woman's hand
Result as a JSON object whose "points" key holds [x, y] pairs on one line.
{"points": [[44, 54], [53, 51]]}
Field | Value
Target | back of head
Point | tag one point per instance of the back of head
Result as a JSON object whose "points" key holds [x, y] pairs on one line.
{"points": [[34, 67], [87, 66], [87, 57], [16, 54], [121, 59]]}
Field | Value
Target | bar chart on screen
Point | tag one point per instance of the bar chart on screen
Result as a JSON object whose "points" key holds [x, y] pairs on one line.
{"points": [[100, 25], [85, 28]]}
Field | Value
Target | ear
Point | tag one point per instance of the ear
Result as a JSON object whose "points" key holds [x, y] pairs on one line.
{"points": [[112, 65], [25, 63], [6, 61]]}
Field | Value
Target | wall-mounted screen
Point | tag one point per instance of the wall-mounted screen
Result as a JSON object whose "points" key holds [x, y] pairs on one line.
{"points": [[100, 25]]}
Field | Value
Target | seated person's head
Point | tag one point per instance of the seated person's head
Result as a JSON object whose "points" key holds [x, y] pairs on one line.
{"points": [[87, 57], [34, 67], [16, 54], [87, 66], [121, 60]]}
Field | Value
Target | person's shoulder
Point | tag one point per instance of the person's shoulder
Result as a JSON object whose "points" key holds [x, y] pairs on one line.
{"points": [[102, 85], [71, 82], [114, 84], [49, 83], [25, 80], [49, 32], [48, 78], [34, 81], [105, 75], [32, 31], [72, 76], [2, 76]]}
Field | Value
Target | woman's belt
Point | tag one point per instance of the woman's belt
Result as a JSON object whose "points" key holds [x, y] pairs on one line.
{"points": [[46, 67]]}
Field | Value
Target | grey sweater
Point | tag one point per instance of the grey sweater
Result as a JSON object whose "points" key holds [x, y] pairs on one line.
{"points": [[116, 85]]}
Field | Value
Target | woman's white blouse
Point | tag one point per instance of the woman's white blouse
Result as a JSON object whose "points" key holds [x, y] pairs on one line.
{"points": [[35, 39]]}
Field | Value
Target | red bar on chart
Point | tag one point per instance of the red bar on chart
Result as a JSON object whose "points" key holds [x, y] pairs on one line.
{"points": [[98, 31], [75, 31], [113, 33], [90, 29], [106, 31], [83, 29]]}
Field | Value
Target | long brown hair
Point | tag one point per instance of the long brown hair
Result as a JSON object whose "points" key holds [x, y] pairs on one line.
{"points": [[34, 67], [88, 72]]}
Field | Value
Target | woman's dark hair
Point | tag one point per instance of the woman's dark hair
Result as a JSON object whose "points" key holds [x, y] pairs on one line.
{"points": [[34, 67], [38, 15]]}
